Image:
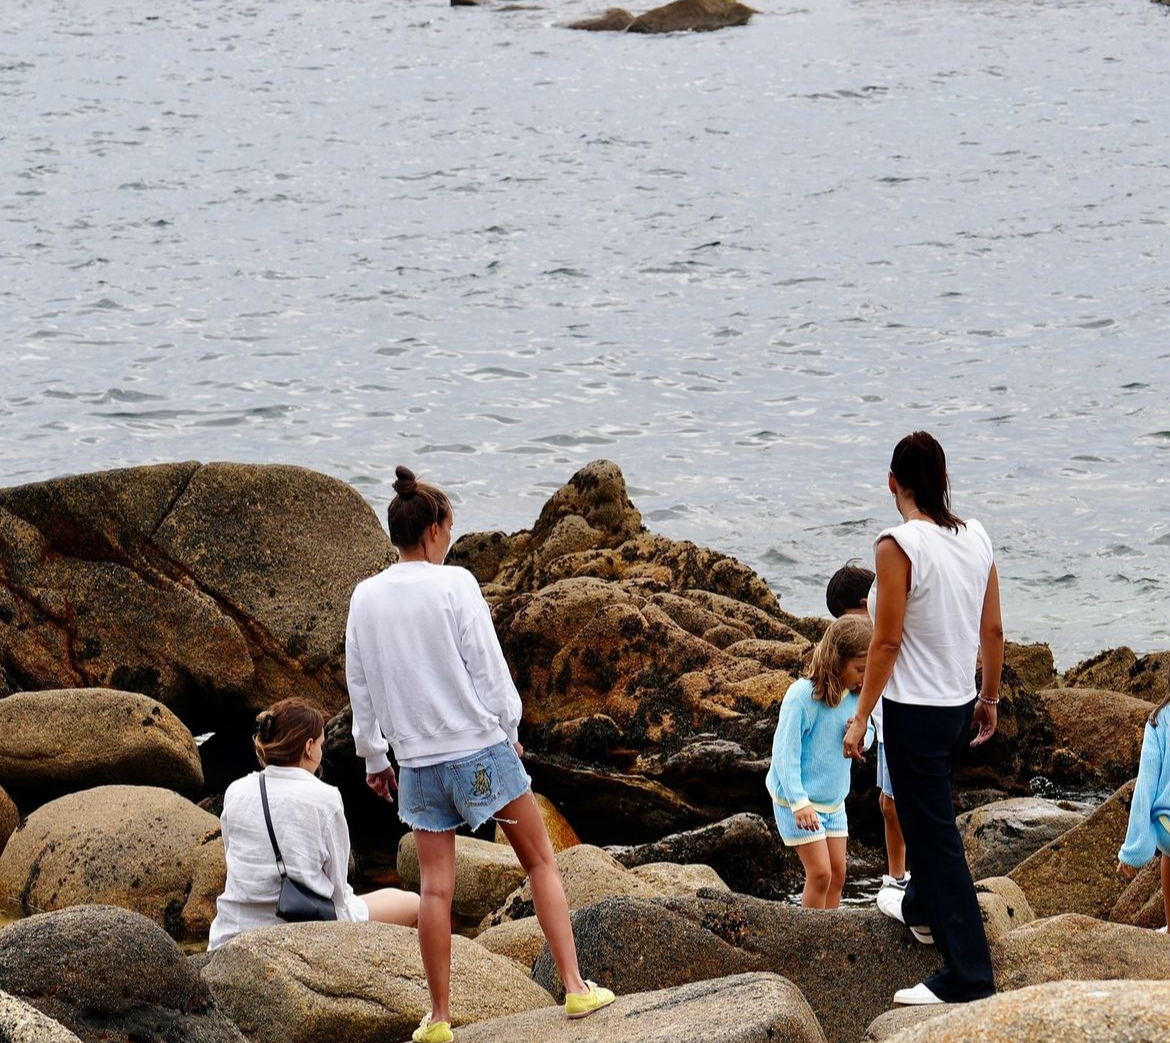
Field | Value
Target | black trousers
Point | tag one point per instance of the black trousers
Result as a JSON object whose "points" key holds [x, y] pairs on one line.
{"points": [[922, 745]]}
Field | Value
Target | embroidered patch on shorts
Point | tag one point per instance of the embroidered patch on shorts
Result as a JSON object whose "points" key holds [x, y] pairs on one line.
{"points": [[481, 783]]}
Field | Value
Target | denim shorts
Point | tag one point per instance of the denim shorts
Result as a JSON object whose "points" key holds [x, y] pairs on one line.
{"points": [[883, 772], [469, 789], [829, 824]]}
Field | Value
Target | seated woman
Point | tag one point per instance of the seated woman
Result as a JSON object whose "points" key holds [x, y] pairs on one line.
{"points": [[309, 822]]}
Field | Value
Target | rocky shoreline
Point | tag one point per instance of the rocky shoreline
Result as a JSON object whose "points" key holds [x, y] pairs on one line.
{"points": [[144, 606]]}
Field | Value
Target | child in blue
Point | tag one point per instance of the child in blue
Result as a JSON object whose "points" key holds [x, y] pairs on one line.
{"points": [[1149, 813], [809, 779]]}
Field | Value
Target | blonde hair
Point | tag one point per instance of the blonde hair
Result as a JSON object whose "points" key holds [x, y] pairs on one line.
{"points": [[847, 638]]}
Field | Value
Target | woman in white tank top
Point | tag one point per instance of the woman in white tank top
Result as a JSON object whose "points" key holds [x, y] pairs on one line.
{"points": [[936, 612]]}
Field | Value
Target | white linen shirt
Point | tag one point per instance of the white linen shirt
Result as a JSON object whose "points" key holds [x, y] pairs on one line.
{"points": [[424, 667], [309, 822]]}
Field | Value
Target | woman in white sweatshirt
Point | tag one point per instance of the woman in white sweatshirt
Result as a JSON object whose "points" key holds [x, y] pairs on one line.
{"points": [[427, 676]]}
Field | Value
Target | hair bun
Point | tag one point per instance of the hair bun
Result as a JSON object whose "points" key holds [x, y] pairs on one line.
{"points": [[407, 484], [264, 724]]}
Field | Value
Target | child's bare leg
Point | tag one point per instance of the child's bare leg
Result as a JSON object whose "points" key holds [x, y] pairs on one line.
{"points": [[436, 866], [1166, 885], [818, 873], [390, 905], [525, 831], [895, 845], [836, 847]]}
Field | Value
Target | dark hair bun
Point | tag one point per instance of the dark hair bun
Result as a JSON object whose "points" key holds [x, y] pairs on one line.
{"points": [[407, 484]]}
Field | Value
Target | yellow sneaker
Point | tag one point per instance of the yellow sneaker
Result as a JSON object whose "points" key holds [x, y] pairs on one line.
{"points": [[581, 1004], [432, 1031]]}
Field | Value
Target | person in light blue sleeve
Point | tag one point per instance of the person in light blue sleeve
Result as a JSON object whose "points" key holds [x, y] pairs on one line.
{"points": [[1149, 814], [808, 779]]}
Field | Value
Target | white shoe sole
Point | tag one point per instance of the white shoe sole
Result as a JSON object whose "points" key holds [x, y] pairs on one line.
{"points": [[918, 996]]}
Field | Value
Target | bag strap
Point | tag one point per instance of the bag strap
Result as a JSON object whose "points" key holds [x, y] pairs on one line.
{"points": [[268, 822]]}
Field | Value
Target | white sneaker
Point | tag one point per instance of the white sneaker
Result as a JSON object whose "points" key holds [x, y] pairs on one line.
{"points": [[889, 901], [1162, 930], [893, 881], [919, 996]]}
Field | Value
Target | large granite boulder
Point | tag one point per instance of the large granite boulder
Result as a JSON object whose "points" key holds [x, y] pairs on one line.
{"points": [[887, 1026], [202, 586], [1081, 948], [139, 847], [1002, 906], [1075, 873], [1121, 670], [683, 16], [22, 1023], [358, 982], [1069, 1011], [846, 962], [746, 1008], [997, 837], [485, 874], [58, 741], [744, 850], [1141, 903], [520, 940], [1096, 734], [9, 818], [112, 975]]}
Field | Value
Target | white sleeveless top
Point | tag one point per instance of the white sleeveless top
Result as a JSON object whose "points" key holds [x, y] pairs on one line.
{"points": [[940, 634]]}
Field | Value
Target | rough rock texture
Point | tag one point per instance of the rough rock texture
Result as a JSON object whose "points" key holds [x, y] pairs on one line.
{"points": [[1097, 734], [111, 975], [359, 982], [521, 940], [1002, 905], [999, 836], [9, 818], [615, 19], [1075, 872], [138, 847], [1068, 1011], [1121, 670], [1141, 903], [747, 1008], [589, 874], [1080, 948], [485, 874], [22, 1023], [743, 849], [58, 741], [692, 16], [1032, 664], [846, 962], [201, 586], [556, 825], [672, 879], [888, 1025]]}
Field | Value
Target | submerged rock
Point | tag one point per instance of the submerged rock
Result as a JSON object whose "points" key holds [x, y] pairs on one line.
{"points": [[692, 16], [112, 975], [615, 20]]}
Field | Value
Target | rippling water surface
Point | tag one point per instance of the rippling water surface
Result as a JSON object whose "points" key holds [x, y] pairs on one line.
{"points": [[740, 264]]}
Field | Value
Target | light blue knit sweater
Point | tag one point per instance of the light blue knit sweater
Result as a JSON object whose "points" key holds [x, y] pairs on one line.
{"points": [[808, 766], [1151, 795]]}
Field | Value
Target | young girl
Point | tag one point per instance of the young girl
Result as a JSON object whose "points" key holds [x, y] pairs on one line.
{"points": [[809, 778], [1149, 813]]}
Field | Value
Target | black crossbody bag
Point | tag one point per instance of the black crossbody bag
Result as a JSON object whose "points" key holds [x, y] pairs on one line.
{"points": [[296, 904]]}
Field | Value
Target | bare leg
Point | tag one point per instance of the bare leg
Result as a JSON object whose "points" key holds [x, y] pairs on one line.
{"points": [[836, 846], [1166, 885], [436, 867], [525, 830], [390, 905], [818, 873], [895, 845]]}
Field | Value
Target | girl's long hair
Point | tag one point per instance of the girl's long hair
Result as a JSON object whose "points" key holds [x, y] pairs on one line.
{"points": [[847, 638], [1157, 710], [920, 465]]}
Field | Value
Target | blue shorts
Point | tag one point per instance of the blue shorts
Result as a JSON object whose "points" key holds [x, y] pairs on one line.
{"points": [[1162, 834], [469, 789], [883, 772], [829, 824]]}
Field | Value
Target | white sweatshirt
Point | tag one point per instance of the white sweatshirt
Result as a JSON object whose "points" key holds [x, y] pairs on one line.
{"points": [[310, 827], [424, 667]]}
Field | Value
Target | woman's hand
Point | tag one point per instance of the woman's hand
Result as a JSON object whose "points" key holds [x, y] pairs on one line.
{"points": [[1129, 872], [984, 718], [806, 818], [518, 748], [855, 738], [382, 783]]}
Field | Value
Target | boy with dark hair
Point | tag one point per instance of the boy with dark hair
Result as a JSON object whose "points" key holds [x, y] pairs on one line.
{"points": [[848, 590]]}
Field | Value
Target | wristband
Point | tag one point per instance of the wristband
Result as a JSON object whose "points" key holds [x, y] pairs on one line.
{"points": [[988, 702]]}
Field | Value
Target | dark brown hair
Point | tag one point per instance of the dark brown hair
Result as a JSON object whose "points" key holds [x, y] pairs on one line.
{"points": [[417, 506], [1153, 718], [847, 638], [848, 588], [283, 730], [920, 465]]}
